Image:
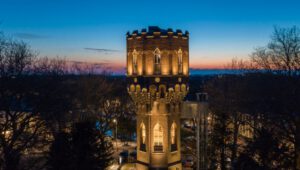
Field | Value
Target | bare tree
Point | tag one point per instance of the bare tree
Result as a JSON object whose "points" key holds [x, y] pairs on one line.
{"points": [[283, 52], [20, 126], [15, 58]]}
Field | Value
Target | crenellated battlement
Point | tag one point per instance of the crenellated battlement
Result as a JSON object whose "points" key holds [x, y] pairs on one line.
{"points": [[156, 32], [157, 52]]}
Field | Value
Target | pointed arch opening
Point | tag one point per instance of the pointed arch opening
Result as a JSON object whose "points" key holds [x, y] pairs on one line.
{"points": [[173, 136], [143, 137], [157, 58], [134, 61], [180, 65], [158, 136]]}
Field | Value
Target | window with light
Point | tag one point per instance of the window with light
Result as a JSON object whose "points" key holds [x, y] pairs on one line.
{"points": [[180, 67], [173, 137], [158, 138], [134, 61], [143, 137], [157, 58]]}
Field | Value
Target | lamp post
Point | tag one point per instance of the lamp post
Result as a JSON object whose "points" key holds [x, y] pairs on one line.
{"points": [[116, 122]]}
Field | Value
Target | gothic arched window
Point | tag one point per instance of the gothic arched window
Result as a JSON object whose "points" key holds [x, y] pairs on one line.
{"points": [[157, 57], [173, 137], [173, 133], [158, 138], [134, 61], [143, 137], [143, 133], [180, 68]]}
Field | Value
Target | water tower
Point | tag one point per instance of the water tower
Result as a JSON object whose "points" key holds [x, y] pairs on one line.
{"points": [[157, 76]]}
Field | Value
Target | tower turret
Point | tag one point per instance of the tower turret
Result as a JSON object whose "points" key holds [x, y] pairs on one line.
{"points": [[157, 76]]}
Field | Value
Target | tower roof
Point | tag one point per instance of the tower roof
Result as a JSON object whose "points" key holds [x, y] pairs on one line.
{"points": [[153, 29]]}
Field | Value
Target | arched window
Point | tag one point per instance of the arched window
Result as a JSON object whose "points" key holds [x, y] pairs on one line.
{"points": [[143, 137], [134, 61], [173, 137], [157, 58], [158, 138], [143, 133], [173, 133], [180, 68]]}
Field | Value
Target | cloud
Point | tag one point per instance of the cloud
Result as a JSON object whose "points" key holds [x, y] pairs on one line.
{"points": [[101, 50], [97, 64], [28, 36]]}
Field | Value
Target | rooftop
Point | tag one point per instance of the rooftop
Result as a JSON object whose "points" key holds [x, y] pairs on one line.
{"points": [[155, 29]]}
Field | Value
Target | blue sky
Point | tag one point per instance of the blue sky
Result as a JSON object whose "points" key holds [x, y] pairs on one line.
{"points": [[219, 30]]}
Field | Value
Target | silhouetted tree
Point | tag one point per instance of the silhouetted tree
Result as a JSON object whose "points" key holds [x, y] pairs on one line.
{"points": [[60, 156], [21, 127], [283, 52], [91, 149]]}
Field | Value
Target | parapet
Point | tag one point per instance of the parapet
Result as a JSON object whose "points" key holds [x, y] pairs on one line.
{"points": [[156, 32]]}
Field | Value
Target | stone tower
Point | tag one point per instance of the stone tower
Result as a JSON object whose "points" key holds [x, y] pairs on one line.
{"points": [[157, 76]]}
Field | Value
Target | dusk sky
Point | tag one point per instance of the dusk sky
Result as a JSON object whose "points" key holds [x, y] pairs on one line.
{"points": [[219, 30]]}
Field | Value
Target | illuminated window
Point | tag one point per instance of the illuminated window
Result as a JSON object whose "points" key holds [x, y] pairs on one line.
{"points": [[134, 61], [157, 58], [158, 138], [180, 61], [143, 137], [173, 133], [143, 133], [173, 137]]}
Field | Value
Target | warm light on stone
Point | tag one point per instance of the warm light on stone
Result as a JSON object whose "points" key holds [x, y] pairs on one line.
{"points": [[157, 75]]}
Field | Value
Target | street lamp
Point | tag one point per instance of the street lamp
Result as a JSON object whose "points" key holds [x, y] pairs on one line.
{"points": [[116, 122]]}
